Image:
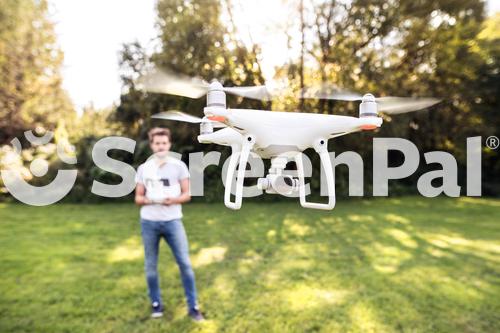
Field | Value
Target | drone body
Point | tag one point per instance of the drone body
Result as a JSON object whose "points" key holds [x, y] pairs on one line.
{"points": [[278, 132], [279, 136]]}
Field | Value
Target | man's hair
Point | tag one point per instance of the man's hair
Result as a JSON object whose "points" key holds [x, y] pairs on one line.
{"points": [[159, 131]]}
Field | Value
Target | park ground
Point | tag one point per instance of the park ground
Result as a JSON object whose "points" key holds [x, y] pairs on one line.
{"points": [[381, 265]]}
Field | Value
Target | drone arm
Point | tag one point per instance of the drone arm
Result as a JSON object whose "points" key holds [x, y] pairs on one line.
{"points": [[344, 133], [237, 158], [321, 148]]}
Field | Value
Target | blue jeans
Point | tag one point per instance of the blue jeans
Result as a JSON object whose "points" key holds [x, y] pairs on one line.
{"points": [[174, 234]]}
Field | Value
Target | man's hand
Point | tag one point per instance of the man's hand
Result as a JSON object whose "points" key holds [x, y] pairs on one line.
{"points": [[183, 198], [169, 201], [140, 196]]}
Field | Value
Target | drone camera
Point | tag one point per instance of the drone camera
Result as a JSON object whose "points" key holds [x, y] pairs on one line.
{"points": [[282, 184]]}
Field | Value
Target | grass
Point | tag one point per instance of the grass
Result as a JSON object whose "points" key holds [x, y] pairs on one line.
{"points": [[382, 265]]}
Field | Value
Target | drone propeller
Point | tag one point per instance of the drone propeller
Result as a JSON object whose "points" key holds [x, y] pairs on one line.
{"points": [[386, 104], [329, 92], [397, 105], [181, 116], [165, 82]]}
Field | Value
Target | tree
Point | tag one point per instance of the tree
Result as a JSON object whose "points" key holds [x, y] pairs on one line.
{"points": [[406, 48], [193, 42], [31, 91]]}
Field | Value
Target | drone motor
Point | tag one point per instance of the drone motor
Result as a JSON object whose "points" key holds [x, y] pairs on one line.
{"points": [[216, 97], [368, 106]]}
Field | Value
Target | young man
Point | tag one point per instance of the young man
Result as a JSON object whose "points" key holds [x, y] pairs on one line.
{"points": [[162, 186]]}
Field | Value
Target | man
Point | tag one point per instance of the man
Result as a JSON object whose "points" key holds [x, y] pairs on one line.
{"points": [[162, 187]]}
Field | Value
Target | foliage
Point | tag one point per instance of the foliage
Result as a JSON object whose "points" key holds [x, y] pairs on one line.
{"points": [[193, 42], [422, 48], [435, 48], [407, 48], [22, 160], [31, 94]]}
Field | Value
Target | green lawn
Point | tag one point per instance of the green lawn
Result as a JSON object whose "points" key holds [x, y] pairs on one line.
{"points": [[381, 265]]}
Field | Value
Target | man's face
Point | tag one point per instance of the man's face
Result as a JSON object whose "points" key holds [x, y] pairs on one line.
{"points": [[160, 145]]}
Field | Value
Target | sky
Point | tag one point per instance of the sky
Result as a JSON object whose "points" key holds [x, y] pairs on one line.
{"points": [[91, 34]]}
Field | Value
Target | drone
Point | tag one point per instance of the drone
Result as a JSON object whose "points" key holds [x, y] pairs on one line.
{"points": [[274, 135]]}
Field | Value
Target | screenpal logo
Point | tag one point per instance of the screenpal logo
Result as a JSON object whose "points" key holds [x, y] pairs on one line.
{"points": [[198, 161]]}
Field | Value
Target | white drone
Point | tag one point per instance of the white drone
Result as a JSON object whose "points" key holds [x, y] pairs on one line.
{"points": [[274, 135]]}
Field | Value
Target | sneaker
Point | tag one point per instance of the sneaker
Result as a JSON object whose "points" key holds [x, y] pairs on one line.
{"points": [[196, 315], [156, 310]]}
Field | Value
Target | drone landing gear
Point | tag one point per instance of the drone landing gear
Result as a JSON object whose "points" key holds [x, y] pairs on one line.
{"points": [[320, 146], [276, 181], [239, 156]]}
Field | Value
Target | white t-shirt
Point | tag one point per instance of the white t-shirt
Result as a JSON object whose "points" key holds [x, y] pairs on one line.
{"points": [[161, 182]]}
